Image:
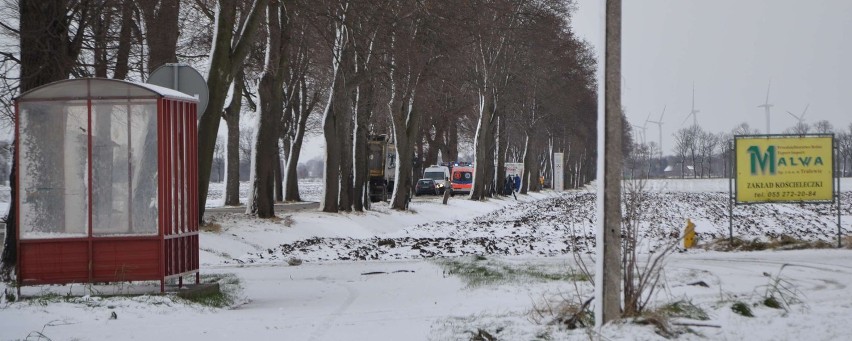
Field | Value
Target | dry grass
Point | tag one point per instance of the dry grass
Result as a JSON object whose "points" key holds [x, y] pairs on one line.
{"points": [[847, 241], [212, 227], [782, 242], [567, 312], [286, 220]]}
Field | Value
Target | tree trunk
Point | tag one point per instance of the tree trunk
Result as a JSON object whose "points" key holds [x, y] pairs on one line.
{"points": [[279, 178], [331, 175], [261, 198], [125, 41], [404, 158], [344, 132], [419, 160], [535, 175], [226, 58], [9, 256], [526, 178], [490, 167], [363, 113], [334, 111], [101, 21], [502, 149], [291, 180], [161, 25], [232, 155], [405, 125], [265, 161], [434, 145], [453, 143], [483, 144], [48, 53]]}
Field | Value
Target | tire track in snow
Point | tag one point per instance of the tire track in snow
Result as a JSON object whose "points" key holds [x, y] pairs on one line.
{"points": [[816, 283], [324, 326]]}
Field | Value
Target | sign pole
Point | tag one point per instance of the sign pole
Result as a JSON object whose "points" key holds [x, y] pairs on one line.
{"points": [[837, 191], [731, 199]]}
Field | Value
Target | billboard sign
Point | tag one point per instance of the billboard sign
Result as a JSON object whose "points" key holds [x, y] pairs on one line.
{"points": [[784, 168], [515, 168]]}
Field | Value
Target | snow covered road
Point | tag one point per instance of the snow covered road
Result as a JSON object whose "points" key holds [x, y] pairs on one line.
{"points": [[387, 275]]}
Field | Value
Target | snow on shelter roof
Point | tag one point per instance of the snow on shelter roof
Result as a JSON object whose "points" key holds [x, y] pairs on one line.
{"points": [[80, 88]]}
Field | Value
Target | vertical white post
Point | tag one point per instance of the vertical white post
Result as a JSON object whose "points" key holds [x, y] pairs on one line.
{"points": [[608, 265], [558, 172]]}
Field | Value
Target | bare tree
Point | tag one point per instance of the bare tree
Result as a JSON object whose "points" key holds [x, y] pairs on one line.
{"points": [[823, 127], [51, 35], [684, 140], [364, 104], [707, 148], [800, 128], [264, 161], [229, 50], [744, 129], [411, 52], [336, 107], [219, 160], [300, 102], [236, 140], [844, 145], [161, 30], [246, 145], [491, 38], [723, 149], [696, 134]]}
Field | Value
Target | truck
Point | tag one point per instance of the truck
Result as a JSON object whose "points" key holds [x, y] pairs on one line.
{"points": [[381, 164]]}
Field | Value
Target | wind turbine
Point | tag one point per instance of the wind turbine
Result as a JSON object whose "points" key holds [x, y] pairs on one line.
{"points": [[800, 118], [766, 107], [693, 112], [643, 128], [659, 123]]}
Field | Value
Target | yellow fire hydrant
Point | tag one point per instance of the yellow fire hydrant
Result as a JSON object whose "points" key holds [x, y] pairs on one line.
{"points": [[689, 234]]}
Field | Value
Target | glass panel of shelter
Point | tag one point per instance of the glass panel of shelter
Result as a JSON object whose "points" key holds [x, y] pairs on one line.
{"points": [[54, 183], [53, 186]]}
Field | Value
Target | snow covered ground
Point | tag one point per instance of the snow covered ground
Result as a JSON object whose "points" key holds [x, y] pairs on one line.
{"points": [[309, 190], [500, 267]]}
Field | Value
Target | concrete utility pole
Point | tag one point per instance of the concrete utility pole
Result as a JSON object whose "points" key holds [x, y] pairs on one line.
{"points": [[608, 266]]}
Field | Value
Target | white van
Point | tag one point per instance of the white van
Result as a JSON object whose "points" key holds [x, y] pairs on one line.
{"points": [[437, 173]]}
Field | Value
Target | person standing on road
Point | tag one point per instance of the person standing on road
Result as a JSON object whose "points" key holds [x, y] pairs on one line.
{"points": [[448, 189], [508, 187]]}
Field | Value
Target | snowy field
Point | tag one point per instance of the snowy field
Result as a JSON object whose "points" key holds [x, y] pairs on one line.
{"points": [[502, 267], [309, 190]]}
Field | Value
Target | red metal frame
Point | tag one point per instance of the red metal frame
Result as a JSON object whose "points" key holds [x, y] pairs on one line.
{"points": [[171, 253]]}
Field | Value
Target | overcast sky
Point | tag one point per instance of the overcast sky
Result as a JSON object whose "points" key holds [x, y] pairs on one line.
{"points": [[731, 49]]}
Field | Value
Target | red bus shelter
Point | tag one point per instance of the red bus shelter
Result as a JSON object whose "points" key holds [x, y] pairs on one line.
{"points": [[106, 183]]}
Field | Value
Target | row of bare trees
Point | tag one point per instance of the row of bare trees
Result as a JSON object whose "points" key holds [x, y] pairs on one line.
{"points": [[698, 153], [505, 79], [506, 75]]}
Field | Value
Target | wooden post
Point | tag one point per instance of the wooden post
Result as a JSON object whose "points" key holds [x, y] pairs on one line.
{"points": [[608, 274]]}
